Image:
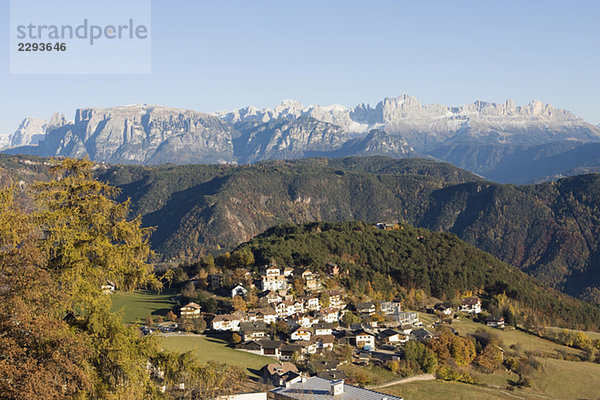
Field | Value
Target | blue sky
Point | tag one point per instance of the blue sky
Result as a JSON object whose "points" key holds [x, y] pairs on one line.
{"points": [[218, 55]]}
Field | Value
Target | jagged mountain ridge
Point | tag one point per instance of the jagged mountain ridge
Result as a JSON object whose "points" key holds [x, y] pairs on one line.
{"points": [[481, 137], [146, 134], [142, 134], [426, 124]]}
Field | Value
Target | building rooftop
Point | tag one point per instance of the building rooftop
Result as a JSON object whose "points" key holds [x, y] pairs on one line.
{"points": [[316, 388], [253, 326], [280, 368], [191, 305], [470, 301]]}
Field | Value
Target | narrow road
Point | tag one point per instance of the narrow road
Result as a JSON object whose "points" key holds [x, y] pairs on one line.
{"points": [[422, 377]]}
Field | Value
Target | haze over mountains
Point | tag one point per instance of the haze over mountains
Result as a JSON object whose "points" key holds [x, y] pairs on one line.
{"points": [[502, 142]]}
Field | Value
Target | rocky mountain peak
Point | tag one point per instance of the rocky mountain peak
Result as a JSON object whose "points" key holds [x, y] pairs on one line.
{"points": [[142, 133], [56, 121], [395, 126], [30, 131], [392, 109]]}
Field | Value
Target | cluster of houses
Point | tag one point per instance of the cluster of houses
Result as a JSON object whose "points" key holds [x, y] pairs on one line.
{"points": [[313, 319], [318, 330], [313, 325], [280, 305], [306, 315], [470, 305]]}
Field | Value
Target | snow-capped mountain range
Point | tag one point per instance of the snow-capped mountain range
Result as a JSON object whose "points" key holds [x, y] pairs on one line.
{"points": [[397, 127], [431, 123]]}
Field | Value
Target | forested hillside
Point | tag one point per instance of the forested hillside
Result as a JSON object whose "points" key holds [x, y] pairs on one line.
{"points": [[381, 261], [550, 230]]}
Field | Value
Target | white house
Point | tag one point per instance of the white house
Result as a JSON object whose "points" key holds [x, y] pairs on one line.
{"points": [[392, 336], [495, 322], [444, 308], [238, 290], [312, 303], [252, 330], [329, 314], [390, 307], [273, 282], [308, 347], [190, 310], [301, 334], [335, 299], [267, 315], [406, 317], [300, 319], [285, 309], [363, 338], [422, 334], [298, 306], [226, 322], [289, 350], [322, 329], [324, 342], [471, 305], [367, 308], [263, 347]]}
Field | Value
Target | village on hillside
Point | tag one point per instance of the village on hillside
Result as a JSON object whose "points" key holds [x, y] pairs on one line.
{"points": [[309, 331]]}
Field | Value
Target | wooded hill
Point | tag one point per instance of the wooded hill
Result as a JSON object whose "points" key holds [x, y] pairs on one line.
{"points": [[550, 230], [379, 261]]}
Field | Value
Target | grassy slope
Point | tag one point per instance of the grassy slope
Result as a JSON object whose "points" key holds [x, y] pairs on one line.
{"points": [[567, 380], [434, 390], [558, 379], [137, 306], [511, 336], [213, 349], [527, 342], [592, 335], [377, 375]]}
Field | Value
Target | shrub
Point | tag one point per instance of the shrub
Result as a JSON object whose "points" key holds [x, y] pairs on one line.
{"points": [[235, 338]]}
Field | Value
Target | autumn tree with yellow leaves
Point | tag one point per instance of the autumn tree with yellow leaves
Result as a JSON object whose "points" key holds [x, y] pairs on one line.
{"points": [[59, 338]]}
